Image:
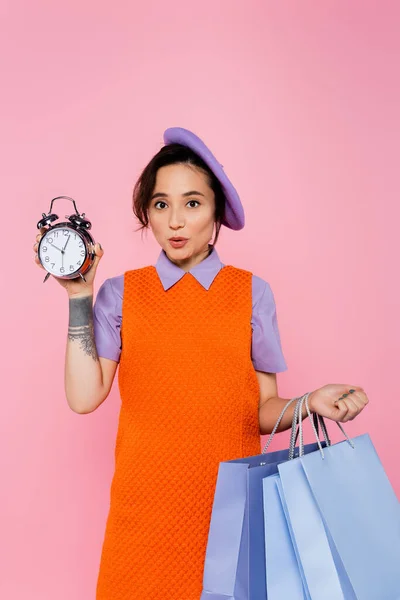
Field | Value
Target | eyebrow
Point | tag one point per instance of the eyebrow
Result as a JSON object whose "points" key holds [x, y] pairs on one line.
{"points": [[191, 193]]}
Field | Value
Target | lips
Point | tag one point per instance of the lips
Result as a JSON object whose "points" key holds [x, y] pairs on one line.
{"points": [[178, 243], [177, 239]]}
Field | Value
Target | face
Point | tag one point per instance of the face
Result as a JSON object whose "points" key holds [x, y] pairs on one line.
{"points": [[182, 205]]}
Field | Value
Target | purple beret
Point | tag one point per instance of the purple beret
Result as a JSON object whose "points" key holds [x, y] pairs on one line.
{"points": [[234, 214]]}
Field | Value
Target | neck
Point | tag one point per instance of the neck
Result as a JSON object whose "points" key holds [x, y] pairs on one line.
{"points": [[192, 262]]}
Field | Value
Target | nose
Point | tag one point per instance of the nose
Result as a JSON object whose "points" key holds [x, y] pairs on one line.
{"points": [[176, 219]]}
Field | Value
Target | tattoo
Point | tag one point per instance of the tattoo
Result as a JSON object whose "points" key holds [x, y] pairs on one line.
{"points": [[80, 326]]}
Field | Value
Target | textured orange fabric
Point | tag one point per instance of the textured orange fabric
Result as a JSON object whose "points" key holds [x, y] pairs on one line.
{"points": [[190, 397]]}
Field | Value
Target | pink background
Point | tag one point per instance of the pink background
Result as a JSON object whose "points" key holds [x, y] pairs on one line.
{"points": [[300, 103]]}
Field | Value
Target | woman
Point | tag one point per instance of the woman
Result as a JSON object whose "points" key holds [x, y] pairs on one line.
{"points": [[198, 349]]}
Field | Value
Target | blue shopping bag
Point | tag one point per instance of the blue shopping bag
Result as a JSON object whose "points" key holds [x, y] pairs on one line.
{"points": [[235, 567], [310, 537], [284, 575], [284, 578], [345, 519]]}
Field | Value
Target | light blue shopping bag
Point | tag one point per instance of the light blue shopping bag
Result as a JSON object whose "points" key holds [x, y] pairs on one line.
{"points": [[345, 519], [284, 574], [235, 567], [284, 578]]}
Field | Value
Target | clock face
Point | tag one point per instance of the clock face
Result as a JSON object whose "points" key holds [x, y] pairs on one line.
{"points": [[62, 251]]}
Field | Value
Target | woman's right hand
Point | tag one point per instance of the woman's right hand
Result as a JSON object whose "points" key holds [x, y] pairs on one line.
{"points": [[75, 287]]}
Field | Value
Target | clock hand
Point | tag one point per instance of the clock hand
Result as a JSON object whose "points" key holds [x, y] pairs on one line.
{"points": [[55, 246], [66, 243]]}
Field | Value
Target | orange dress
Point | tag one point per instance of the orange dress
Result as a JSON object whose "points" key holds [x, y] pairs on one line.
{"points": [[190, 397]]}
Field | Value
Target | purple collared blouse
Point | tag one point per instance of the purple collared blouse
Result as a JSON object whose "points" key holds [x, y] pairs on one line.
{"points": [[266, 350]]}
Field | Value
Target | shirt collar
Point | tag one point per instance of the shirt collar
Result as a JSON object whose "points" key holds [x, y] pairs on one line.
{"points": [[205, 271]]}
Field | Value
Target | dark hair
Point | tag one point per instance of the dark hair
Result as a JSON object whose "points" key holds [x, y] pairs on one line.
{"points": [[169, 155]]}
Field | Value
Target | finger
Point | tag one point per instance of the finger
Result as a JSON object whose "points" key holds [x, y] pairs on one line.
{"points": [[42, 230], [351, 391], [356, 402], [353, 408], [361, 396], [342, 410], [37, 261], [360, 399], [346, 389], [98, 250]]}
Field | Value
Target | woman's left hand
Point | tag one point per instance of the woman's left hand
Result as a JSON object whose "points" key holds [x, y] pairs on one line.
{"points": [[325, 402]]}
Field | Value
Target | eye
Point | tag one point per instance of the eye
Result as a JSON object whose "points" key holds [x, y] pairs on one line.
{"points": [[194, 201], [158, 202]]}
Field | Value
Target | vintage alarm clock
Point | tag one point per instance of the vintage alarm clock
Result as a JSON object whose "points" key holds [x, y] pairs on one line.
{"points": [[66, 250]]}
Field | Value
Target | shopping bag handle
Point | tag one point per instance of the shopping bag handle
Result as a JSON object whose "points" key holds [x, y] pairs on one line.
{"points": [[294, 434], [318, 422], [299, 407], [297, 427], [294, 422]]}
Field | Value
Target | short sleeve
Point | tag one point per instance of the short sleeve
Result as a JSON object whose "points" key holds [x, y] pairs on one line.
{"points": [[266, 349], [107, 317]]}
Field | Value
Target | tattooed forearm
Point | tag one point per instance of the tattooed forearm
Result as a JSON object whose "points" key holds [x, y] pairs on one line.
{"points": [[80, 326]]}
